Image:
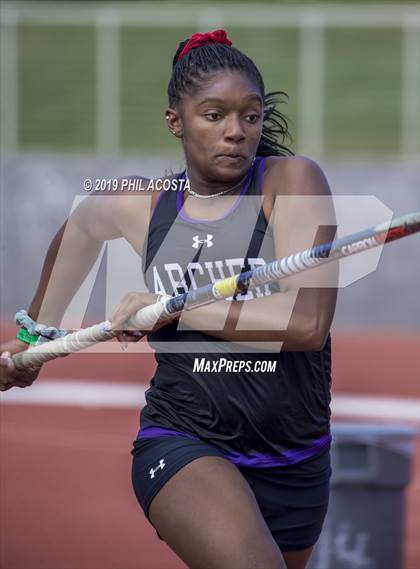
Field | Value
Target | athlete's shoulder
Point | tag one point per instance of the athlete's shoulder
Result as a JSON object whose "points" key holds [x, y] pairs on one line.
{"points": [[150, 189], [138, 204], [294, 175], [118, 210]]}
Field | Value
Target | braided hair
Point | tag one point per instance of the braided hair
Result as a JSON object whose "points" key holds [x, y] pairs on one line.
{"points": [[194, 70]]}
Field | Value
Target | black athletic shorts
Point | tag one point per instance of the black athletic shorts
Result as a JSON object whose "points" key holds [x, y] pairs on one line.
{"points": [[293, 499]]}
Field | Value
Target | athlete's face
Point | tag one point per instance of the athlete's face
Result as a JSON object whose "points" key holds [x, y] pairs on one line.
{"points": [[220, 126]]}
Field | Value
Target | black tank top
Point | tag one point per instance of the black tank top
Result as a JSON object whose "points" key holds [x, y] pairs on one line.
{"points": [[268, 418]]}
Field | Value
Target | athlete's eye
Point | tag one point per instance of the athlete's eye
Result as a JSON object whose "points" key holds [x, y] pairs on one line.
{"points": [[213, 116], [253, 118]]}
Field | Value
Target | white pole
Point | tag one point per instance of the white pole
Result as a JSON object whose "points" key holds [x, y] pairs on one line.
{"points": [[108, 81], [311, 83], [410, 99], [9, 94]]}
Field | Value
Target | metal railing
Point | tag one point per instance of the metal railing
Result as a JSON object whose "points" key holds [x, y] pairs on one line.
{"points": [[312, 21]]}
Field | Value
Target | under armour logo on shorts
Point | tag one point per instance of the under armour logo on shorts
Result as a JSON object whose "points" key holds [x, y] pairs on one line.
{"points": [[161, 465], [197, 241]]}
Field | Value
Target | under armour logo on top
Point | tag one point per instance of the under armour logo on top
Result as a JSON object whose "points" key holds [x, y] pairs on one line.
{"points": [[161, 465], [197, 241]]}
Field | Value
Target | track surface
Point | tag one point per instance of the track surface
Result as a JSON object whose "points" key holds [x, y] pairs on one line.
{"points": [[66, 494]]}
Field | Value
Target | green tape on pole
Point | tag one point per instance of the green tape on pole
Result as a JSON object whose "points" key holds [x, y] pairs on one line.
{"points": [[26, 337]]}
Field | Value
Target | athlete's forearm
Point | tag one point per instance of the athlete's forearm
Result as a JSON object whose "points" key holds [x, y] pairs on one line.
{"points": [[70, 256], [300, 321]]}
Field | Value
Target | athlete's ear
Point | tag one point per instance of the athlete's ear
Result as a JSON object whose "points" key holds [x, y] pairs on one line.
{"points": [[174, 122]]}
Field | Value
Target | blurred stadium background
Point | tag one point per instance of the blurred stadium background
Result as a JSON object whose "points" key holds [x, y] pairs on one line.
{"points": [[82, 95]]}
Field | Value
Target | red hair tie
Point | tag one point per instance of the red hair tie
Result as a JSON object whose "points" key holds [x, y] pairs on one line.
{"points": [[198, 40]]}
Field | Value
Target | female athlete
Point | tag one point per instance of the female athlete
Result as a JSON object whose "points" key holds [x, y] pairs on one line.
{"points": [[231, 464]]}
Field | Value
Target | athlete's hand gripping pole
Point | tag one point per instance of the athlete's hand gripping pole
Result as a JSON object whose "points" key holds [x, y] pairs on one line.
{"points": [[144, 319]]}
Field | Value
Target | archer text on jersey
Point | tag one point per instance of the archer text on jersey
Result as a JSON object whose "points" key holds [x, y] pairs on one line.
{"points": [[223, 364]]}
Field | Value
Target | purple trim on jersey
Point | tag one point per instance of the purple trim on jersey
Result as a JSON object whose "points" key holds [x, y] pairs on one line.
{"points": [[185, 217], [258, 460], [260, 174], [152, 432], [163, 192]]}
